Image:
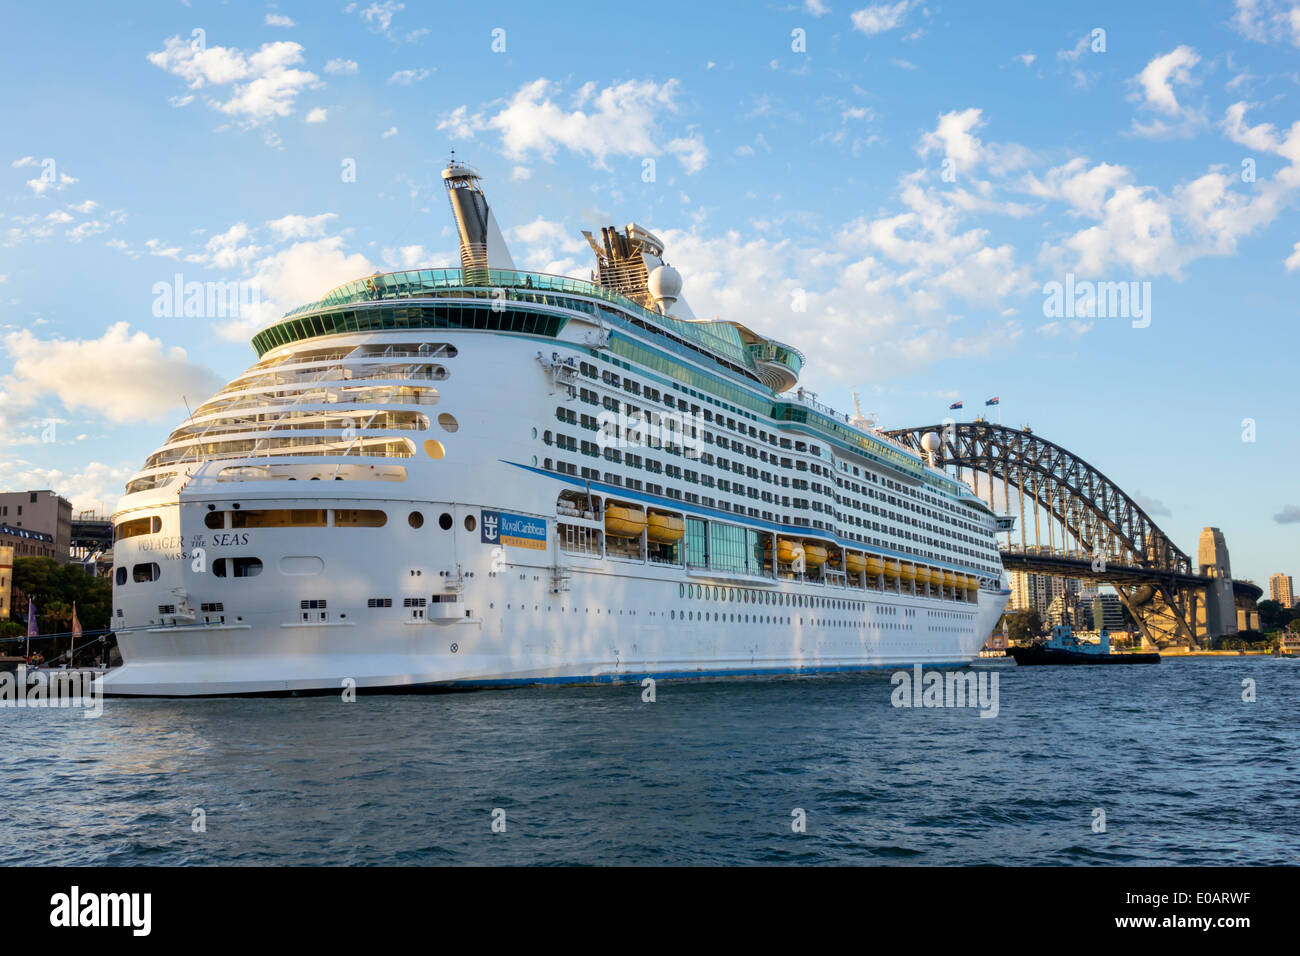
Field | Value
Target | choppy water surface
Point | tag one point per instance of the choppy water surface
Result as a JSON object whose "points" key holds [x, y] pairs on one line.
{"points": [[1186, 772]]}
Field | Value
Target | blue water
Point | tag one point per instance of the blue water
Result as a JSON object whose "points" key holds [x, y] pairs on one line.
{"points": [[1186, 772]]}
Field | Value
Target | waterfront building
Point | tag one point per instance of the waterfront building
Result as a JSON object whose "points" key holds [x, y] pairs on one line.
{"points": [[41, 511], [1281, 589]]}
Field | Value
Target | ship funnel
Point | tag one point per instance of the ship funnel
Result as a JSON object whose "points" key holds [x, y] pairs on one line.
{"points": [[482, 247]]}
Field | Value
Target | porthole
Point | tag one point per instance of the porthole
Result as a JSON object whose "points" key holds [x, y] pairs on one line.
{"points": [[470, 523], [448, 422], [445, 521], [433, 448], [415, 519]]}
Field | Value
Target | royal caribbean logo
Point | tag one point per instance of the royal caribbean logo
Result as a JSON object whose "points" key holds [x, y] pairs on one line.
{"points": [[519, 531]]}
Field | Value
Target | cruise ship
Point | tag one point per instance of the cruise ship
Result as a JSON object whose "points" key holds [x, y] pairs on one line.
{"points": [[485, 476]]}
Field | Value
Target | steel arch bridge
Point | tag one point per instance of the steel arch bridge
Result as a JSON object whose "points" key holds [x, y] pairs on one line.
{"points": [[1104, 534]]}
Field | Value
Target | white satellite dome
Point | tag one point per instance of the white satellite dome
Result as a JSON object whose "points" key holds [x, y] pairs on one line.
{"points": [[930, 444], [664, 285]]}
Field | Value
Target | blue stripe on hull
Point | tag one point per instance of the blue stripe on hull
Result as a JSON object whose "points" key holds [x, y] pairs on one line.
{"points": [[630, 678]]}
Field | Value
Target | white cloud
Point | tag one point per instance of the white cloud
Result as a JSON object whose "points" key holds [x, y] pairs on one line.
{"points": [[389, 133], [1156, 93], [521, 174], [56, 183], [1158, 77], [148, 379], [296, 275], [279, 20], [159, 248], [881, 17], [407, 77], [1268, 21], [954, 138], [300, 227], [459, 124], [1025, 59], [816, 7], [87, 229], [341, 66], [228, 250], [620, 120], [96, 487], [380, 15], [318, 115], [263, 85], [1292, 262]]}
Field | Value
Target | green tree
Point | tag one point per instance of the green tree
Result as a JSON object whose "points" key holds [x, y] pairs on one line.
{"points": [[1023, 626], [1272, 614], [56, 588]]}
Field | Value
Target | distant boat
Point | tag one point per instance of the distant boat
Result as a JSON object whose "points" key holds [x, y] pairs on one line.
{"points": [[1064, 648]]}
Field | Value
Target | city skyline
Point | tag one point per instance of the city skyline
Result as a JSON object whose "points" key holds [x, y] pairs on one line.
{"points": [[812, 170]]}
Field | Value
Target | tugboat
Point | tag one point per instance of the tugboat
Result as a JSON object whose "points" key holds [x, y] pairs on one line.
{"points": [[1064, 648]]}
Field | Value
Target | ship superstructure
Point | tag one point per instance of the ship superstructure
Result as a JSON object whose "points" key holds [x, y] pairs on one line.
{"points": [[482, 475]]}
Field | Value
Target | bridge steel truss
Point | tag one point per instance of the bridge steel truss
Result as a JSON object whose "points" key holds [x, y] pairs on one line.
{"points": [[1117, 541]]}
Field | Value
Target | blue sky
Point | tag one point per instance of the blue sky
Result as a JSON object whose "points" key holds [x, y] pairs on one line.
{"points": [[887, 186]]}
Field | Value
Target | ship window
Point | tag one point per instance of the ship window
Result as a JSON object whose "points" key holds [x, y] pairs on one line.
{"points": [[120, 575], [216, 520], [237, 567], [444, 521], [415, 519], [470, 523], [434, 449], [142, 573], [353, 518], [278, 518], [448, 422], [137, 526]]}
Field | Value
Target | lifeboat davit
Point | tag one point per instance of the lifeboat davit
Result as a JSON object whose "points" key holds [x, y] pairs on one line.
{"points": [[623, 521]]}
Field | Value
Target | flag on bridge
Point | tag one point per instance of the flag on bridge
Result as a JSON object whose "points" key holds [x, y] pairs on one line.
{"points": [[954, 405], [31, 619], [995, 400], [76, 624]]}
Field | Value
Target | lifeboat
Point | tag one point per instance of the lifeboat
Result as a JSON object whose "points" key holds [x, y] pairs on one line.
{"points": [[787, 551], [814, 555], [875, 566], [623, 521], [949, 580], [892, 570], [854, 563], [664, 529], [909, 572], [923, 575], [972, 583]]}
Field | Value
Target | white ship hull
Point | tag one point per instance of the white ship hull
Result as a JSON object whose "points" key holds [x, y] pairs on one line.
{"points": [[615, 624]]}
